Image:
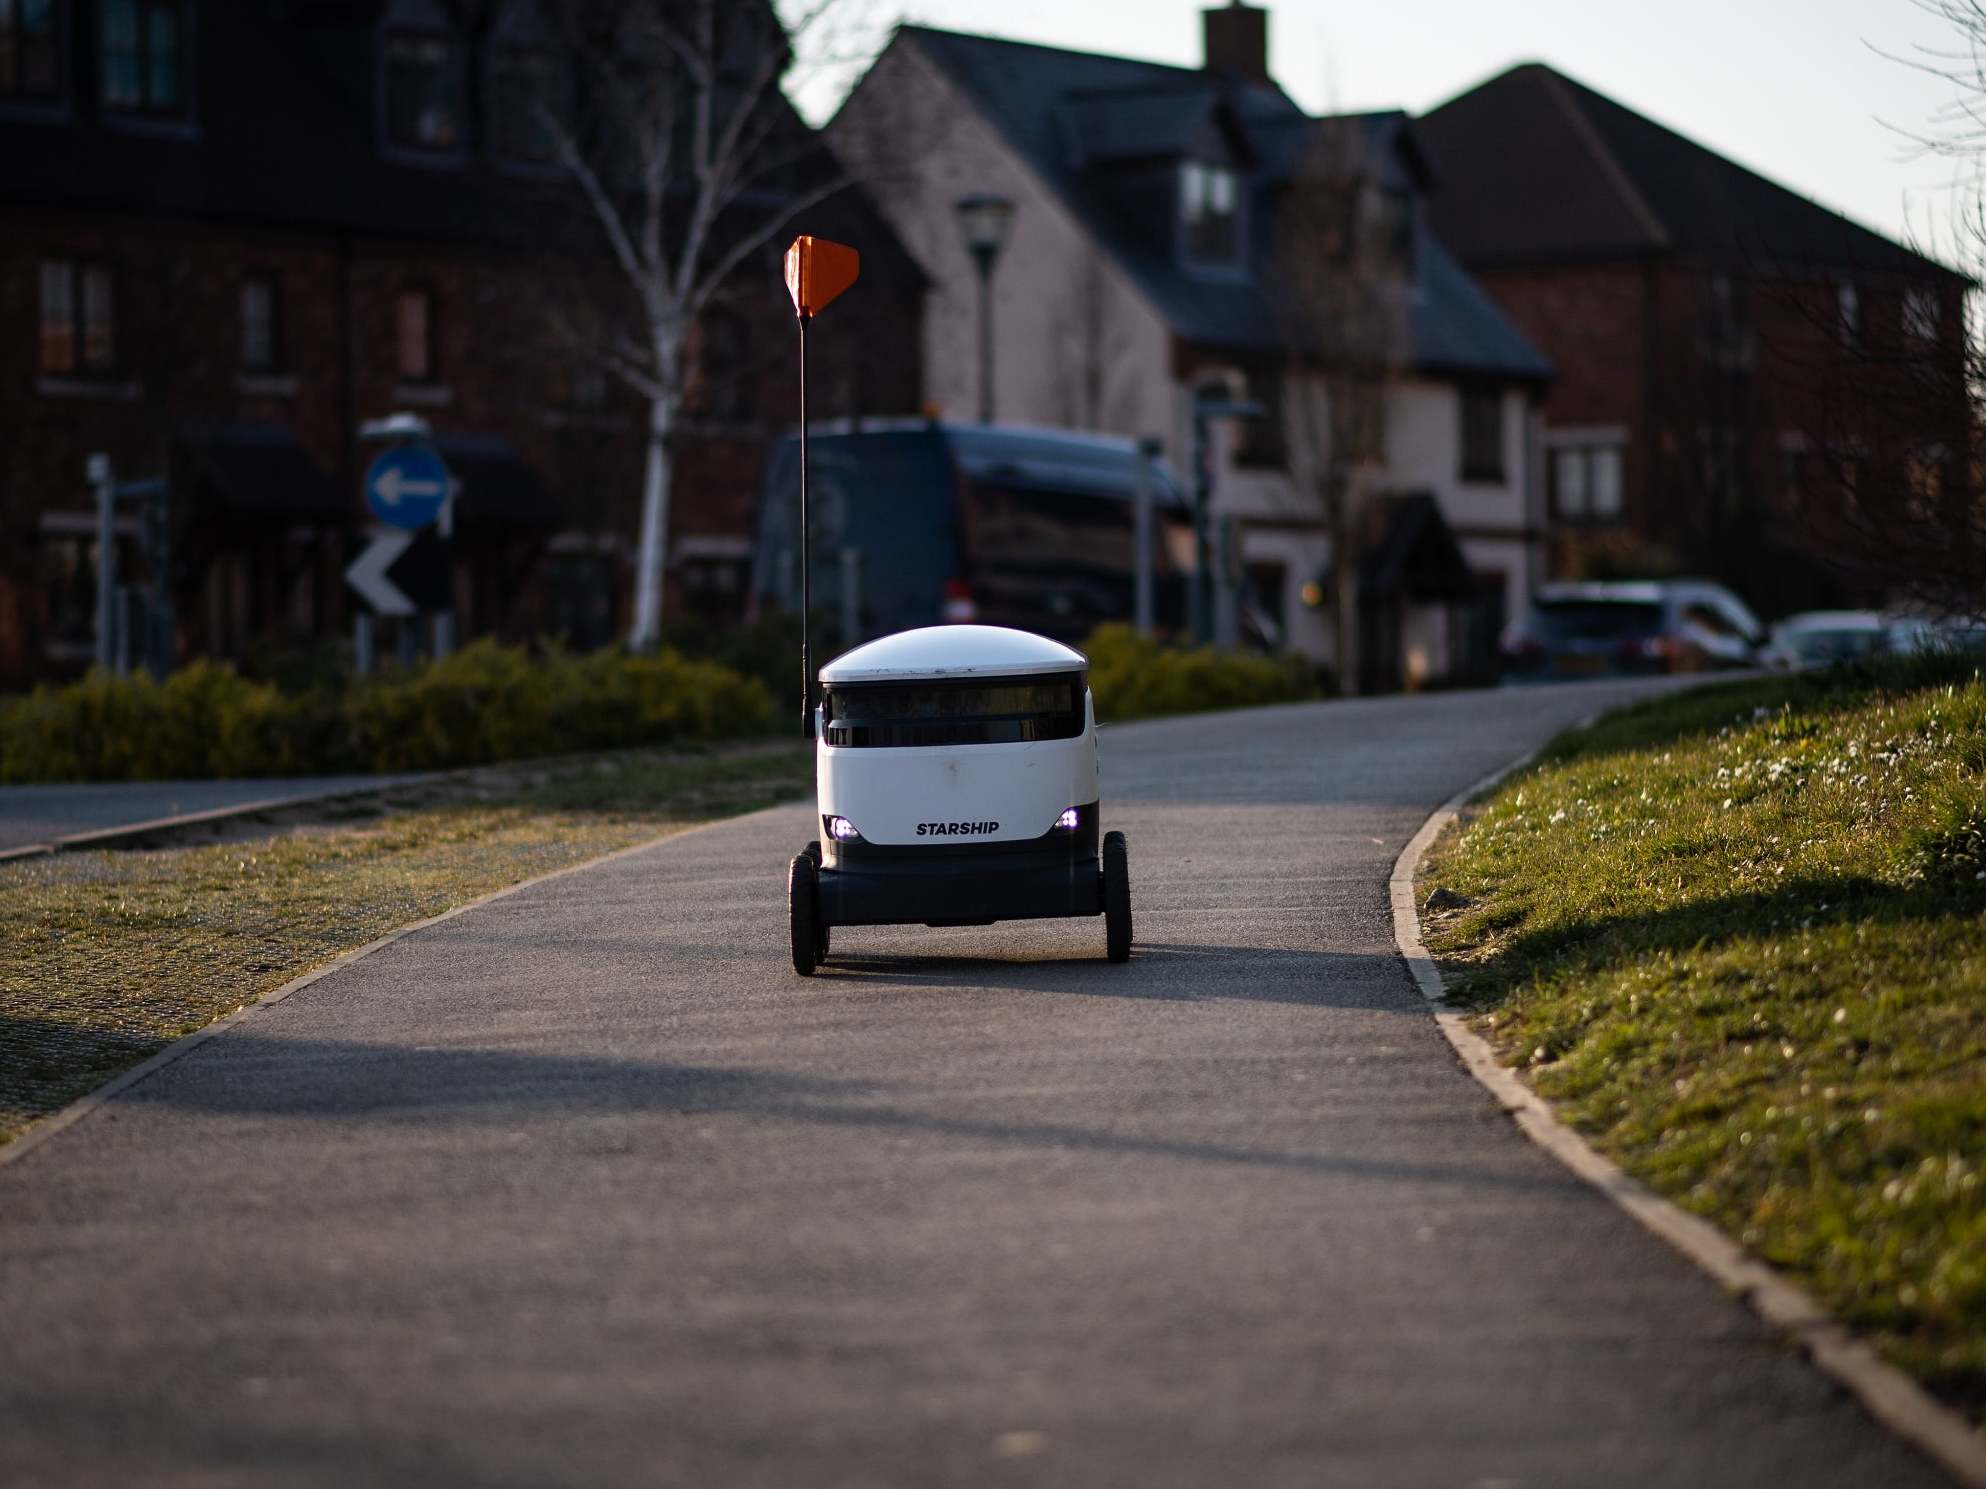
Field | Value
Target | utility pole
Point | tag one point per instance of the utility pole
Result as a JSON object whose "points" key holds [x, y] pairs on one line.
{"points": [[1207, 408], [1141, 607], [104, 479]]}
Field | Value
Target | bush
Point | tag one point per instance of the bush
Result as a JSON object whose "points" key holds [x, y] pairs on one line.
{"points": [[483, 704], [1134, 677], [204, 720]]}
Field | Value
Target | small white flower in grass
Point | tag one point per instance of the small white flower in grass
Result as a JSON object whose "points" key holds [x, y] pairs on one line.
{"points": [[1841, 1015]]}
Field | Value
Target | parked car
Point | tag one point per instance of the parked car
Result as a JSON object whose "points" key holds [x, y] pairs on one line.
{"points": [[1819, 638], [1596, 629], [1908, 633]]}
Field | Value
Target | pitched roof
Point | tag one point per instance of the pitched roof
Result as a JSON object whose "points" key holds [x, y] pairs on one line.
{"points": [[1100, 132], [1533, 166]]}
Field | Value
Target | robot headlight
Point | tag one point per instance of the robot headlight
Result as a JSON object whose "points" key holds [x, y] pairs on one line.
{"points": [[841, 830], [1069, 821]]}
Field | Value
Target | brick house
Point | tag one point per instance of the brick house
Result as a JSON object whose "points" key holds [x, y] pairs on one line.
{"points": [[1711, 332], [1138, 278], [233, 233]]}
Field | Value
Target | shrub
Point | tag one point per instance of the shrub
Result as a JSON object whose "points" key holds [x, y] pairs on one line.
{"points": [[484, 703], [1135, 677], [202, 721]]}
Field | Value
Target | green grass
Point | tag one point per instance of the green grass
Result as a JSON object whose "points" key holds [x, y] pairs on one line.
{"points": [[1739, 938], [107, 957]]}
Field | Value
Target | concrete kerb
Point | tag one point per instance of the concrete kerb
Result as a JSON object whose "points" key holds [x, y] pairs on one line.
{"points": [[80, 1108], [112, 837], [1892, 1397]]}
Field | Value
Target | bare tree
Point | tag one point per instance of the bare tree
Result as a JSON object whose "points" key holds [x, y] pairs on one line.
{"points": [[1341, 279], [691, 160], [1093, 343]]}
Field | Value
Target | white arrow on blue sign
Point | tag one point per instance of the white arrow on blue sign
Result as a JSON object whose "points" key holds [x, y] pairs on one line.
{"points": [[406, 486]]}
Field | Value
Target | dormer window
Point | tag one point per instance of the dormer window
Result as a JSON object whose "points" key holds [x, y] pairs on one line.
{"points": [[29, 68], [145, 53], [423, 93], [1209, 213], [526, 98]]}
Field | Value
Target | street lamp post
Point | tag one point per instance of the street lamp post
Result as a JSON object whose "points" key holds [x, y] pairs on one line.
{"points": [[1206, 408], [984, 222]]}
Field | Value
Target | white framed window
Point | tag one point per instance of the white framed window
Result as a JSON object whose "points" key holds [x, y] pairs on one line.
{"points": [[1848, 314], [261, 323], [1587, 483], [423, 72], [1210, 213], [1922, 315]]}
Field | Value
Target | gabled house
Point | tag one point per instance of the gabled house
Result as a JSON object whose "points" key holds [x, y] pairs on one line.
{"points": [[1712, 332], [1141, 277]]}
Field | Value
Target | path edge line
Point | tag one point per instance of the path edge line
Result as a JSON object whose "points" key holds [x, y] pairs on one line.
{"points": [[1889, 1395], [68, 1116]]}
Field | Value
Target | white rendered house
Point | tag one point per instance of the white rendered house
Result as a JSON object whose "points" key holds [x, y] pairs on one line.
{"points": [[1136, 279]]}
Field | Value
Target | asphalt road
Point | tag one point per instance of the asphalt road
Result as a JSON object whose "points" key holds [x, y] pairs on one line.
{"points": [[585, 1187], [41, 814]]}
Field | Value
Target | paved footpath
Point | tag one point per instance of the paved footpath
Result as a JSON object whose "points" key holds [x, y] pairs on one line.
{"points": [[585, 1187]]}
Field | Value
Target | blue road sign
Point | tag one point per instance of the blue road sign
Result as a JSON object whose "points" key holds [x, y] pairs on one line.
{"points": [[406, 486]]}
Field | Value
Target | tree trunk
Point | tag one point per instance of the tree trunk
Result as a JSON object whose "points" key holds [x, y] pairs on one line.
{"points": [[651, 555]]}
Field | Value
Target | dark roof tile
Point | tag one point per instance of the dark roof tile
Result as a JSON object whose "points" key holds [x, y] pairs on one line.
{"points": [[1532, 166], [1072, 116]]}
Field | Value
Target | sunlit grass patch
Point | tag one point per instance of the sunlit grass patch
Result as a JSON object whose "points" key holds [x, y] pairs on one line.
{"points": [[107, 957], [1739, 937]]}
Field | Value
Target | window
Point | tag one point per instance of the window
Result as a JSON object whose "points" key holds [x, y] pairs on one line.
{"points": [[1482, 433], [146, 47], [720, 368], [586, 386], [1011, 711], [1261, 442], [29, 68], [261, 323], [1921, 315], [1209, 210], [414, 336], [423, 93], [1586, 483], [1848, 315], [1397, 215], [526, 94], [78, 319]]}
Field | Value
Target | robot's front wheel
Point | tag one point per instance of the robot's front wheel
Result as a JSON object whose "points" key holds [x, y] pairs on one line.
{"points": [[803, 912], [1116, 897]]}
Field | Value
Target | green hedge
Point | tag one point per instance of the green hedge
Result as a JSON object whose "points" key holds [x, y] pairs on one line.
{"points": [[1134, 677], [484, 703]]}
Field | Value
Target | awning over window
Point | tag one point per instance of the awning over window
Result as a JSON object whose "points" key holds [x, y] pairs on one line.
{"points": [[260, 473], [498, 487], [1411, 553]]}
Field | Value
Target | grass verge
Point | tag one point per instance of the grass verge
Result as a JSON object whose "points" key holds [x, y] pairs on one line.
{"points": [[107, 957], [1738, 937]]}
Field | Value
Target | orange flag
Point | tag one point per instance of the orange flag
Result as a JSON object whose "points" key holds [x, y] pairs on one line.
{"points": [[817, 271]]}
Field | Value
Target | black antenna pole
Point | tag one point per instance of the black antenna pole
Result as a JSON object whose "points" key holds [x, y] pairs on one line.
{"points": [[806, 555]]}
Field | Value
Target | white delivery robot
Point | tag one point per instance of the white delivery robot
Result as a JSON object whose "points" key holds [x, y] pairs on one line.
{"points": [[957, 778]]}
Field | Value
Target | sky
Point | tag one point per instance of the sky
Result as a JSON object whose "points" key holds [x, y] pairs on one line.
{"points": [[1795, 89]]}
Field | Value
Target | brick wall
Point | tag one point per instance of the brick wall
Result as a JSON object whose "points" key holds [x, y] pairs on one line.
{"points": [[500, 372]]}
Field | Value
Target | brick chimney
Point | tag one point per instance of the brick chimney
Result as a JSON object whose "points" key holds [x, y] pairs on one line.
{"points": [[1237, 40]]}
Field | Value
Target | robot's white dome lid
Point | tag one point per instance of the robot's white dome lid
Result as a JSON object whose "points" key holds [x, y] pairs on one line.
{"points": [[952, 651]]}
